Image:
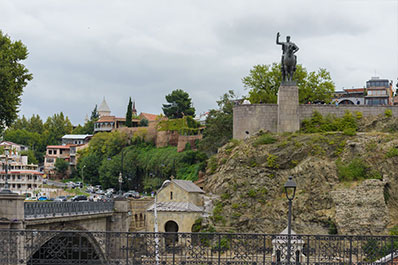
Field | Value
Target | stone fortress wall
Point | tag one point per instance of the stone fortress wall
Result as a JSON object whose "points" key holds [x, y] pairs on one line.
{"points": [[252, 118]]}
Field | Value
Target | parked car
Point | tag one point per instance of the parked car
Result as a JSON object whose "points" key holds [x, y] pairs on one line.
{"points": [[132, 194], [42, 198], [31, 199], [78, 185], [61, 199], [79, 198], [100, 192]]}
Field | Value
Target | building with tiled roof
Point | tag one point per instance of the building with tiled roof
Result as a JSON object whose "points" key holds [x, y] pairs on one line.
{"points": [[178, 204], [150, 117]]}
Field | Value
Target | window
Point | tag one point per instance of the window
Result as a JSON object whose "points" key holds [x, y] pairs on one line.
{"points": [[50, 152], [171, 195]]}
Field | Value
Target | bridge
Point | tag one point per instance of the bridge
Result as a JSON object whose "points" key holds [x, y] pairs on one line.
{"points": [[88, 216], [26, 247], [97, 233]]}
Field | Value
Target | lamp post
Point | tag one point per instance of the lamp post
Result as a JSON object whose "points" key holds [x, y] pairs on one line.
{"points": [[290, 191], [83, 174], [6, 187], [120, 183], [156, 228]]}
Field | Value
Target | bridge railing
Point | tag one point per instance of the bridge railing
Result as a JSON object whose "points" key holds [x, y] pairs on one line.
{"points": [[56, 209], [110, 248]]}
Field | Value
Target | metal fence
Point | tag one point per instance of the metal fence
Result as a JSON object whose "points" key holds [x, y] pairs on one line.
{"points": [[55, 209], [29, 247]]}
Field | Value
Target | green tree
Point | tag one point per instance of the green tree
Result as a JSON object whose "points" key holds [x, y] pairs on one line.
{"points": [[264, 81], [35, 124], [14, 76], [218, 129], [94, 114], [57, 126], [129, 114], [31, 156], [61, 166], [179, 105], [88, 128], [144, 122]]}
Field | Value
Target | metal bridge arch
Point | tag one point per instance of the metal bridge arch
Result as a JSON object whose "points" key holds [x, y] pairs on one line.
{"points": [[65, 247]]}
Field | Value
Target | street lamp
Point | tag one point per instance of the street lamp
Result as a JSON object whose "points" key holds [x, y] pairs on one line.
{"points": [[290, 191], [83, 174], [156, 228], [120, 183]]}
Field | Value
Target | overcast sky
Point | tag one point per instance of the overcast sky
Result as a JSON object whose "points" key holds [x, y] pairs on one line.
{"points": [[84, 50]]}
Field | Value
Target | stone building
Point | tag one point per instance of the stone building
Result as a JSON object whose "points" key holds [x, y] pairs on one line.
{"points": [[179, 204], [23, 178]]}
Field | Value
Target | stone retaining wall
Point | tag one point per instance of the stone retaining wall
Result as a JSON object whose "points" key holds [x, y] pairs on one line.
{"points": [[252, 118]]}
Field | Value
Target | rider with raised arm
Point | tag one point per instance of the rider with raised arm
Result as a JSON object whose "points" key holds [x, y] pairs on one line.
{"points": [[286, 47]]}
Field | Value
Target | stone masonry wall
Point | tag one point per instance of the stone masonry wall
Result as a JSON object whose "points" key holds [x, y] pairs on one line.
{"points": [[256, 117]]}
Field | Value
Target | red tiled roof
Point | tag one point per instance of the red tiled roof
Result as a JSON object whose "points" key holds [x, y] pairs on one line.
{"points": [[352, 90], [110, 119], [106, 119], [58, 146], [148, 116]]}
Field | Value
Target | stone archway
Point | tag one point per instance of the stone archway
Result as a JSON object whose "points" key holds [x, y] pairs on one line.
{"points": [[171, 227], [68, 248], [346, 102]]}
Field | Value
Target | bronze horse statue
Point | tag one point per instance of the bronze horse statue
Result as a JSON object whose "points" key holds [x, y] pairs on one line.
{"points": [[289, 59]]}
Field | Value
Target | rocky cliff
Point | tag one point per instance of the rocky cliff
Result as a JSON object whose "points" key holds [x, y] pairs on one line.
{"points": [[345, 184]]}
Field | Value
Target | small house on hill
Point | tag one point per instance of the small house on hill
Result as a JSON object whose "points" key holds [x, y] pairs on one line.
{"points": [[179, 204]]}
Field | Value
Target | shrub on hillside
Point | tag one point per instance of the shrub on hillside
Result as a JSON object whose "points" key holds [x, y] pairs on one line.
{"points": [[356, 169], [388, 113], [328, 123], [264, 139]]}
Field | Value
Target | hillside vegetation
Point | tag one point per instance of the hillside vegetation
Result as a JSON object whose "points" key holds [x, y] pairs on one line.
{"points": [[346, 174]]}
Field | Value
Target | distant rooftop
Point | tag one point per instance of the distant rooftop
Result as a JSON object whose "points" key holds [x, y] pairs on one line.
{"points": [[175, 207], [76, 136]]}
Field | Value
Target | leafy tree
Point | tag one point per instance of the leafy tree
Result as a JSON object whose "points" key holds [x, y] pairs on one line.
{"points": [[90, 162], [88, 128], [264, 81], [94, 114], [14, 76], [31, 156], [35, 124], [61, 166], [129, 114], [144, 122], [179, 105], [57, 126], [219, 125]]}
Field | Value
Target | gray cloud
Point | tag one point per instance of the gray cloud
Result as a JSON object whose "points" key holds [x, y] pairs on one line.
{"points": [[81, 51]]}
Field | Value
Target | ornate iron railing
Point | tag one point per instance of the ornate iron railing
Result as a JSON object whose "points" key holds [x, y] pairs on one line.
{"points": [[19, 247], [56, 209]]}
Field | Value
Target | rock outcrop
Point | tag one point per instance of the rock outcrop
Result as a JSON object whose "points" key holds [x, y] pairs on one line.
{"points": [[345, 184]]}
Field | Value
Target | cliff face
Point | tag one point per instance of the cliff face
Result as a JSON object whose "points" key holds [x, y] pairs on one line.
{"points": [[345, 184]]}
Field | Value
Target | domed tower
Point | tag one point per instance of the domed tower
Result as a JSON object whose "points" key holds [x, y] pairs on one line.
{"points": [[103, 109]]}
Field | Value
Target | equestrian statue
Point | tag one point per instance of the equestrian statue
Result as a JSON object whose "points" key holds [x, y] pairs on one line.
{"points": [[289, 59]]}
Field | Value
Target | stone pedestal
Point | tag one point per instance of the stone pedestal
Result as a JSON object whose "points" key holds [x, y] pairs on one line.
{"points": [[11, 210], [288, 102]]}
